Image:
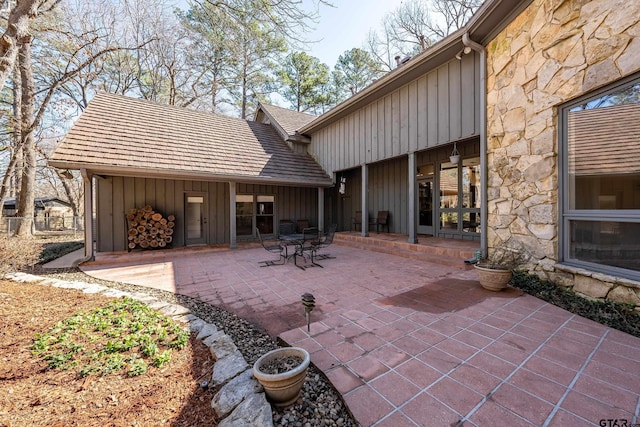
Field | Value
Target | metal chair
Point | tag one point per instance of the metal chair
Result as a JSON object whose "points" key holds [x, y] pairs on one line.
{"points": [[356, 221], [307, 246], [286, 227], [326, 242], [273, 248], [302, 224]]}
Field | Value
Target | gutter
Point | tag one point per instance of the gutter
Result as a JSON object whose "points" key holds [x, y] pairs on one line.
{"points": [[483, 139], [88, 218]]}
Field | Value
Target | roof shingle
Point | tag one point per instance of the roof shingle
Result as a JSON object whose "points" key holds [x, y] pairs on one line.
{"points": [[117, 132]]}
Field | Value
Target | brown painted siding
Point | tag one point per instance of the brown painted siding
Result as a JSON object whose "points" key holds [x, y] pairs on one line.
{"points": [[437, 108], [116, 195]]}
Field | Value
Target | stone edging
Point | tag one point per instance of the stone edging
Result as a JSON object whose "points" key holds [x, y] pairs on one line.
{"points": [[240, 399]]}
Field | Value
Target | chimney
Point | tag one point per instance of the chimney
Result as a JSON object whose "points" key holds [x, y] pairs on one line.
{"points": [[398, 60]]}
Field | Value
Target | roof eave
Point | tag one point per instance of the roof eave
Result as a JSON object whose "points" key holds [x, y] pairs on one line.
{"points": [[112, 170]]}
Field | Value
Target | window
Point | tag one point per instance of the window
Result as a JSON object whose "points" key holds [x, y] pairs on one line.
{"points": [[601, 180], [258, 210]]}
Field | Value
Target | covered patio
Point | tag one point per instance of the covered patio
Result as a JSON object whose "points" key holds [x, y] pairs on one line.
{"points": [[411, 342]]}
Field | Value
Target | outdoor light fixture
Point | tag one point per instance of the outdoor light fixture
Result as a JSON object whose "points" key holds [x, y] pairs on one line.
{"points": [[308, 302], [342, 187], [455, 156]]}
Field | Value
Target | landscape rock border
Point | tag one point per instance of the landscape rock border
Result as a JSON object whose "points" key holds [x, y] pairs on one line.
{"points": [[240, 399]]}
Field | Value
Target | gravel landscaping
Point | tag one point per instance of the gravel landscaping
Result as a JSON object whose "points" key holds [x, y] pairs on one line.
{"points": [[319, 405]]}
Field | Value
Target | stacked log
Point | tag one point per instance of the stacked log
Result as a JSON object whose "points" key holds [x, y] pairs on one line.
{"points": [[148, 229]]}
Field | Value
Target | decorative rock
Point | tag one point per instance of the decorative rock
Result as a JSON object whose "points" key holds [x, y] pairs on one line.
{"points": [[220, 344], [254, 411], [158, 305], [624, 295], [234, 392], [174, 309], [206, 331], [114, 293], [591, 287], [228, 367]]}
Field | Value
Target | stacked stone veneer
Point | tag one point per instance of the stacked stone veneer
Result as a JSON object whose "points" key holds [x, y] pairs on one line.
{"points": [[552, 52]]}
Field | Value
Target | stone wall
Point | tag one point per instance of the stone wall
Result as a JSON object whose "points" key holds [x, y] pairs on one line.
{"points": [[554, 51]]}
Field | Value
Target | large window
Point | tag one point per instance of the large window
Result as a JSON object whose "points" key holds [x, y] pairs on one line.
{"points": [[254, 211], [601, 180]]}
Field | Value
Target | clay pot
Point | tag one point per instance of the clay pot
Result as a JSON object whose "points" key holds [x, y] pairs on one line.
{"points": [[493, 279], [283, 388]]}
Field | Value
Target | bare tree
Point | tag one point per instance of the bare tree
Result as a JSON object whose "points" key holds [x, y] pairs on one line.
{"points": [[415, 25], [18, 24]]}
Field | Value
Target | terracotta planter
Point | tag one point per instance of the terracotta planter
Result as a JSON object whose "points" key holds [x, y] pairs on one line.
{"points": [[282, 389], [493, 279]]}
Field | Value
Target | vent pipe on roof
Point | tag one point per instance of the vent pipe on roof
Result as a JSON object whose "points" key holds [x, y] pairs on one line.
{"points": [[397, 58]]}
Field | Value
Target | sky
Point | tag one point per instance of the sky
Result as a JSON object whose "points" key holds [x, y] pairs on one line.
{"points": [[346, 26]]}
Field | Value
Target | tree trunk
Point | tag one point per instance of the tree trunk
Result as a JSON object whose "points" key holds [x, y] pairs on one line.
{"points": [[17, 28], [11, 180], [27, 189]]}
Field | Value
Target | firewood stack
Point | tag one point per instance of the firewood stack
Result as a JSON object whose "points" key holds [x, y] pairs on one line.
{"points": [[148, 229]]}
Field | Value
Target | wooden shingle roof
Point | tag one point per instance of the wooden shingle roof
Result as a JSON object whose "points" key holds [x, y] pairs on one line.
{"points": [[289, 120], [126, 136], [605, 140]]}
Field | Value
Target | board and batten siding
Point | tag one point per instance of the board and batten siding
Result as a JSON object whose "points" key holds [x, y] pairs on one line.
{"points": [[437, 108], [116, 195]]}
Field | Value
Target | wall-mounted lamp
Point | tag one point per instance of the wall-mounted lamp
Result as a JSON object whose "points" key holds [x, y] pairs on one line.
{"points": [[342, 187]]}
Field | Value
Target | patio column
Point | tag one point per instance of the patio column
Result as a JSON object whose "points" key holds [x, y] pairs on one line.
{"points": [[88, 214], [321, 208], [413, 236], [232, 215], [365, 201]]}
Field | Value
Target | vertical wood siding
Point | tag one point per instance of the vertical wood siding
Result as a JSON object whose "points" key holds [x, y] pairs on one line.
{"points": [[117, 195], [438, 108]]}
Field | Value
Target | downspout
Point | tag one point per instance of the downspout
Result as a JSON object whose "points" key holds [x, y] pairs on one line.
{"points": [[483, 139], [88, 218]]}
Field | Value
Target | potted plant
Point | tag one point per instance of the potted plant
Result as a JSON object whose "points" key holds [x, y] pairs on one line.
{"points": [[495, 270], [282, 373]]}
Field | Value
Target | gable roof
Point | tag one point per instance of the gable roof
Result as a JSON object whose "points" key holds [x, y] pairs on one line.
{"points": [[124, 136], [286, 121]]}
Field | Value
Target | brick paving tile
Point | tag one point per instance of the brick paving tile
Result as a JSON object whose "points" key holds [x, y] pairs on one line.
{"points": [[396, 419], [456, 348], [346, 351], [390, 355], [542, 387], [329, 338], [592, 409], [492, 365], [550, 370], [425, 410], [564, 419], [475, 378], [367, 406], [409, 345], [428, 336], [368, 341], [455, 395], [395, 388], [507, 351], [324, 360], [418, 373], [367, 367], [439, 360], [488, 413], [524, 404], [605, 392], [344, 380], [350, 330], [626, 380]]}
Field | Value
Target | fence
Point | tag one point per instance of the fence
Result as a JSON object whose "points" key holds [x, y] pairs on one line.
{"points": [[45, 226]]}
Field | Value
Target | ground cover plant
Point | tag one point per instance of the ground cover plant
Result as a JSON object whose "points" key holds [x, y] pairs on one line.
{"points": [[123, 335], [33, 394], [616, 315], [55, 250]]}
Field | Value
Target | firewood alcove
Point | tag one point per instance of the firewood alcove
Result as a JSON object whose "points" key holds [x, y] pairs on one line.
{"points": [[148, 229]]}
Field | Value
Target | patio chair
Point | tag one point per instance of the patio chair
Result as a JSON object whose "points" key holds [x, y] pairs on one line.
{"points": [[273, 247], [307, 247], [381, 220], [356, 221], [326, 242]]}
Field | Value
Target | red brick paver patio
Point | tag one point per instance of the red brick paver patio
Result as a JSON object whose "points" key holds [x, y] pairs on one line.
{"points": [[409, 342]]}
